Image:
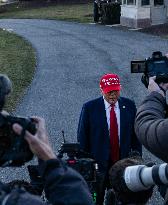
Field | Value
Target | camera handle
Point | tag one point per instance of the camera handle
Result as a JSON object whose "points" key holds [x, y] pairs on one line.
{"points": [[145, 80]]}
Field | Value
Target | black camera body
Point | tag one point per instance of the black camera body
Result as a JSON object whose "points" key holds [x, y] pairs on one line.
{"points": [[79, 160], [157, 65], [83, 163], [14, 150]]}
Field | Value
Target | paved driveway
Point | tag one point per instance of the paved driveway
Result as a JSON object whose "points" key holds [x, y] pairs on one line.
{"points": [[71, 58]]}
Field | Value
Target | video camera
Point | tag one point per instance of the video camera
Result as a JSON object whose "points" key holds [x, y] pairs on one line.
{"points": [[82, 162], [14, 150], [157, 65]]}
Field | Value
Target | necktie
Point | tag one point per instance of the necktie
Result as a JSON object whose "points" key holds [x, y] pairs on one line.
{"points": [[114, 141]]}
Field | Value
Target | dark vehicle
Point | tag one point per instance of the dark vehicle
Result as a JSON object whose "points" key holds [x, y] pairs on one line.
{"points": [[97, 12]]}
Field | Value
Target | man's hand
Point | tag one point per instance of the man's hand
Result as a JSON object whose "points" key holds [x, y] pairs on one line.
{"points": [[38, 143], [153, 86]]}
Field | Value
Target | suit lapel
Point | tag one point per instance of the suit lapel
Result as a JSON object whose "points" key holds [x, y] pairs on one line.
{"points": [[103, 116], [123, 120]]}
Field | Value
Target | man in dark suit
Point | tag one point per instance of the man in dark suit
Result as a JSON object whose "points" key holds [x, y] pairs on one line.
{"points": [[106, 128]]}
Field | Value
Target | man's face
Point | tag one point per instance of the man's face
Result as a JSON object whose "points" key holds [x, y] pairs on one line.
{"points": [[112, 96]]}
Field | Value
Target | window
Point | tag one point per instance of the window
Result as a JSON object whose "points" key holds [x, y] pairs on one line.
{"points": [[131, 2], [145, 2], [158, 2]]}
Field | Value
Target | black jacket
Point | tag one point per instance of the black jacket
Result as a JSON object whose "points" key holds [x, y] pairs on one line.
{"points": [[63, 185]]}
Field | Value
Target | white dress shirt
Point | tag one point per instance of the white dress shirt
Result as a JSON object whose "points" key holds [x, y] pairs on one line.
{"points": [[117, 112]]}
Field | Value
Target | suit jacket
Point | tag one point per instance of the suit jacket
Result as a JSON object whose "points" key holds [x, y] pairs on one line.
{"points": [[93, 133]]}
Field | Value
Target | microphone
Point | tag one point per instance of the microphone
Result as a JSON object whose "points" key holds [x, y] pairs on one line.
{"points": [[5, 89]]}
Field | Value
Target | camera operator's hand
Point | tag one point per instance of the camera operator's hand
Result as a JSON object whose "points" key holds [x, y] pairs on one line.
{"points": [[38, 143], [153, 86]]}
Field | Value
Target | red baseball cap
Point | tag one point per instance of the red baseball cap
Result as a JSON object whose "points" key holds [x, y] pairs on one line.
{"points": [[109, 82]]}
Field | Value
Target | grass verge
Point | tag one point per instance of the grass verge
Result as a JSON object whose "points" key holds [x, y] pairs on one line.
{"points": [[17, 60], [71, 12], [17, 57]]}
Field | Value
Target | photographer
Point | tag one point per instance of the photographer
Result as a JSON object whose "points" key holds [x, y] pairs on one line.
{"points": [[151, 124], [62, 185]]}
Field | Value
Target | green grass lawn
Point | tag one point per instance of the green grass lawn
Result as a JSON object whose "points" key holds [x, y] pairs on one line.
{"points": [[71, 12], [17, 60], [17, 57]]}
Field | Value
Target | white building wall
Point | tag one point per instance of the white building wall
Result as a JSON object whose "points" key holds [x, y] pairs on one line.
{"points": [[144, 12], [135, 13]]}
